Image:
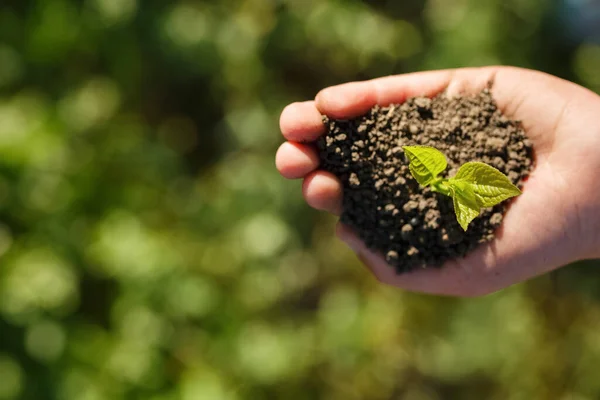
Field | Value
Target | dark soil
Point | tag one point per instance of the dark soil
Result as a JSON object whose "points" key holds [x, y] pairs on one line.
{"points": [[411, 225]]}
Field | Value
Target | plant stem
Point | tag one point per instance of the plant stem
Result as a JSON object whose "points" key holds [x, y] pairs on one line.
{"points": [[439, 185]]}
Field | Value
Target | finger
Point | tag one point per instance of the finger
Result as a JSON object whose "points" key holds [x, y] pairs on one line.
{"points": [[356, 98], [513, 90], [353, 99], [453, 279], [295, 160], [470, 80], [301, 122], [323, 191]]}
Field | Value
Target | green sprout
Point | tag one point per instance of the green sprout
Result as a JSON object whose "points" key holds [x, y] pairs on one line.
{"points": [[476, 185]]}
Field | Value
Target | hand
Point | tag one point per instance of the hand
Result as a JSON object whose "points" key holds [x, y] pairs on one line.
{"points": [[554, 222]]}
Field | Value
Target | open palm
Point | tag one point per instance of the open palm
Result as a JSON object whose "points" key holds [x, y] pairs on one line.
{"points": [[555, 221]]}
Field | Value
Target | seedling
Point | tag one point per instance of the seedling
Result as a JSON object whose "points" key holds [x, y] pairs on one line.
{"points": [[476, 185]]}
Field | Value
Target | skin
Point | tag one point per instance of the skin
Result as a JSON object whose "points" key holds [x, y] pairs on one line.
{"points": [[554, 222]]}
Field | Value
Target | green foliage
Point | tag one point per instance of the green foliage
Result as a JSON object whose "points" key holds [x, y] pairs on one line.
{"points": [[149, 249], [426, 163], [489, 185], [476, 185], [465, 204]]}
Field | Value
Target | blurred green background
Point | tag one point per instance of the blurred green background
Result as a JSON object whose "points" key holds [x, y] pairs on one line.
{"points": [[150, 250]]}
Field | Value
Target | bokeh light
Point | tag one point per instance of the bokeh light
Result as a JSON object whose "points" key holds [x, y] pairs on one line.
{"points": [[11, 376], [150, 250]]}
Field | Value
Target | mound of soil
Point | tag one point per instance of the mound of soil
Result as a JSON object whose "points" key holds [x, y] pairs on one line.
{"points": [[411, 225]]}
